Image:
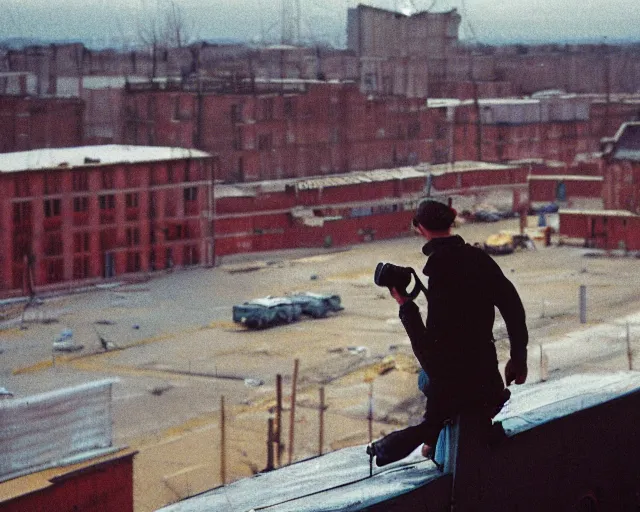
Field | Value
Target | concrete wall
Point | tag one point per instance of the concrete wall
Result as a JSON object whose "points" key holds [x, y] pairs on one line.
{"points": [[588, 460]]}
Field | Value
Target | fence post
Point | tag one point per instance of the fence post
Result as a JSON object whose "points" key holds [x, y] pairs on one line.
{"points": [[223, 454], [583, 304], [629, 351], [370, 414], [278, 426], [321, 422], [544, 365], [270, 438], [292, 418]]}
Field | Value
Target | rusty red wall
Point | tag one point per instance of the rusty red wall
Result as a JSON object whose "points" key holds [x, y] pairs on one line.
{"points": [[105, 487], [34, 123], [620, 188], [546, 190], [329, 128], [102, 221]]}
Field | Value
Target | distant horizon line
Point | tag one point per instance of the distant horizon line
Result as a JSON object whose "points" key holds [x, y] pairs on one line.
{"points": [[18, 42]]}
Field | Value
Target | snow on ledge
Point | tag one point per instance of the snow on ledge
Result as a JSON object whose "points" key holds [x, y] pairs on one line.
{"points": [[340, 480], [91, 156]]}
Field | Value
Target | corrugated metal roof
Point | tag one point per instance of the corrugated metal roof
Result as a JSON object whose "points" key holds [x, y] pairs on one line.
{"points": [[83, 156], [40, 431], [400, 173]]}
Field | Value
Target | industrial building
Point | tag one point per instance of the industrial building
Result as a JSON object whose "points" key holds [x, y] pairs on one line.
{"points": [[94, 212], [618, 225]]}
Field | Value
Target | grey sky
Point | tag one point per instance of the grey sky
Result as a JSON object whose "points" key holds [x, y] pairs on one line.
{"points": [[489, 20]]}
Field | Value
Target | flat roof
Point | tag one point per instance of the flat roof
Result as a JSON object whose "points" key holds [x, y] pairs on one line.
{"points": [[564, 177], [356, 177], [91, 156], [39, 480], [599, 213]]}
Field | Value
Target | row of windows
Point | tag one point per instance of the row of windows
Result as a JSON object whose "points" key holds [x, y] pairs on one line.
{"points": [[265, 110], [189, 172], [53, 207]]}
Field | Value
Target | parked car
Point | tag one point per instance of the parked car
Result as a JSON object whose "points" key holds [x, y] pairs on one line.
{"points": [[317, 305], [266, 312], [505, 242]]}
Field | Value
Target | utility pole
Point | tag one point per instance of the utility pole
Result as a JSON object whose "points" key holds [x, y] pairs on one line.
{"points": [[476, 104]]}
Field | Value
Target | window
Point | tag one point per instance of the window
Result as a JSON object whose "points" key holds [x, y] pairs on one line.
{"points": [[236, 113], [21, 213], [133, 262], [190, 194], [267, 109], [53, 245], [107, 180], [413, 130], [132, 178], [22, 186], [80, 181], [80, 204], [190, 255], [193, 170], [265, 142], [107, 202], [238, 140], [52, 208], [289, 108], [52, 183], [80, 242], [133, 237], [131, 200], [55, 270], [81, 267]]}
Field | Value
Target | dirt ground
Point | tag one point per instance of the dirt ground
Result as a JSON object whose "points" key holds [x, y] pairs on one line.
{"points": [[179, 355]]}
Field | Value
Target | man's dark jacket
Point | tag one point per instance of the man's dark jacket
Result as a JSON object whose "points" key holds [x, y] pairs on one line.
{"points": [[456, 347]]}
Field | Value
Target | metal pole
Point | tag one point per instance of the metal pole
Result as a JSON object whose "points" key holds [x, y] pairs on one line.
{"points": [[629, 351], [278, 426], [223, 455], [544, 365], [292, 417], [270, 438], [583, 304], [321, 422], [370, 415]]}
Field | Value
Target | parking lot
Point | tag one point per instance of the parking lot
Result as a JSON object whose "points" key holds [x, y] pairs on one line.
{"points": [[176, 351]]}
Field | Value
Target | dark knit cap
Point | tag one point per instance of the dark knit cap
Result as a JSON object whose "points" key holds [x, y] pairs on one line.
{"points": [[434, 215]]}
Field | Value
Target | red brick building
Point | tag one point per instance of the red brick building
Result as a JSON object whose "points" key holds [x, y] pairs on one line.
{"points": [[29, 122], [617, 227], [568, 190], [95, 212], [270, 130], [350, 208]]}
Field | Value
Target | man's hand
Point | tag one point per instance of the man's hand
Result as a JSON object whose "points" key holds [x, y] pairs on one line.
{"points": [[400, 299], [515, 371]]}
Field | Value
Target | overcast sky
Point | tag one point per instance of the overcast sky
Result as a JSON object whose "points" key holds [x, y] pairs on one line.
{"points": [[111, 21]]}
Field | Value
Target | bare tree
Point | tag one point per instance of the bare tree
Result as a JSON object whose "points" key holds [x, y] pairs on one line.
{"points": [[163, 25]]}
